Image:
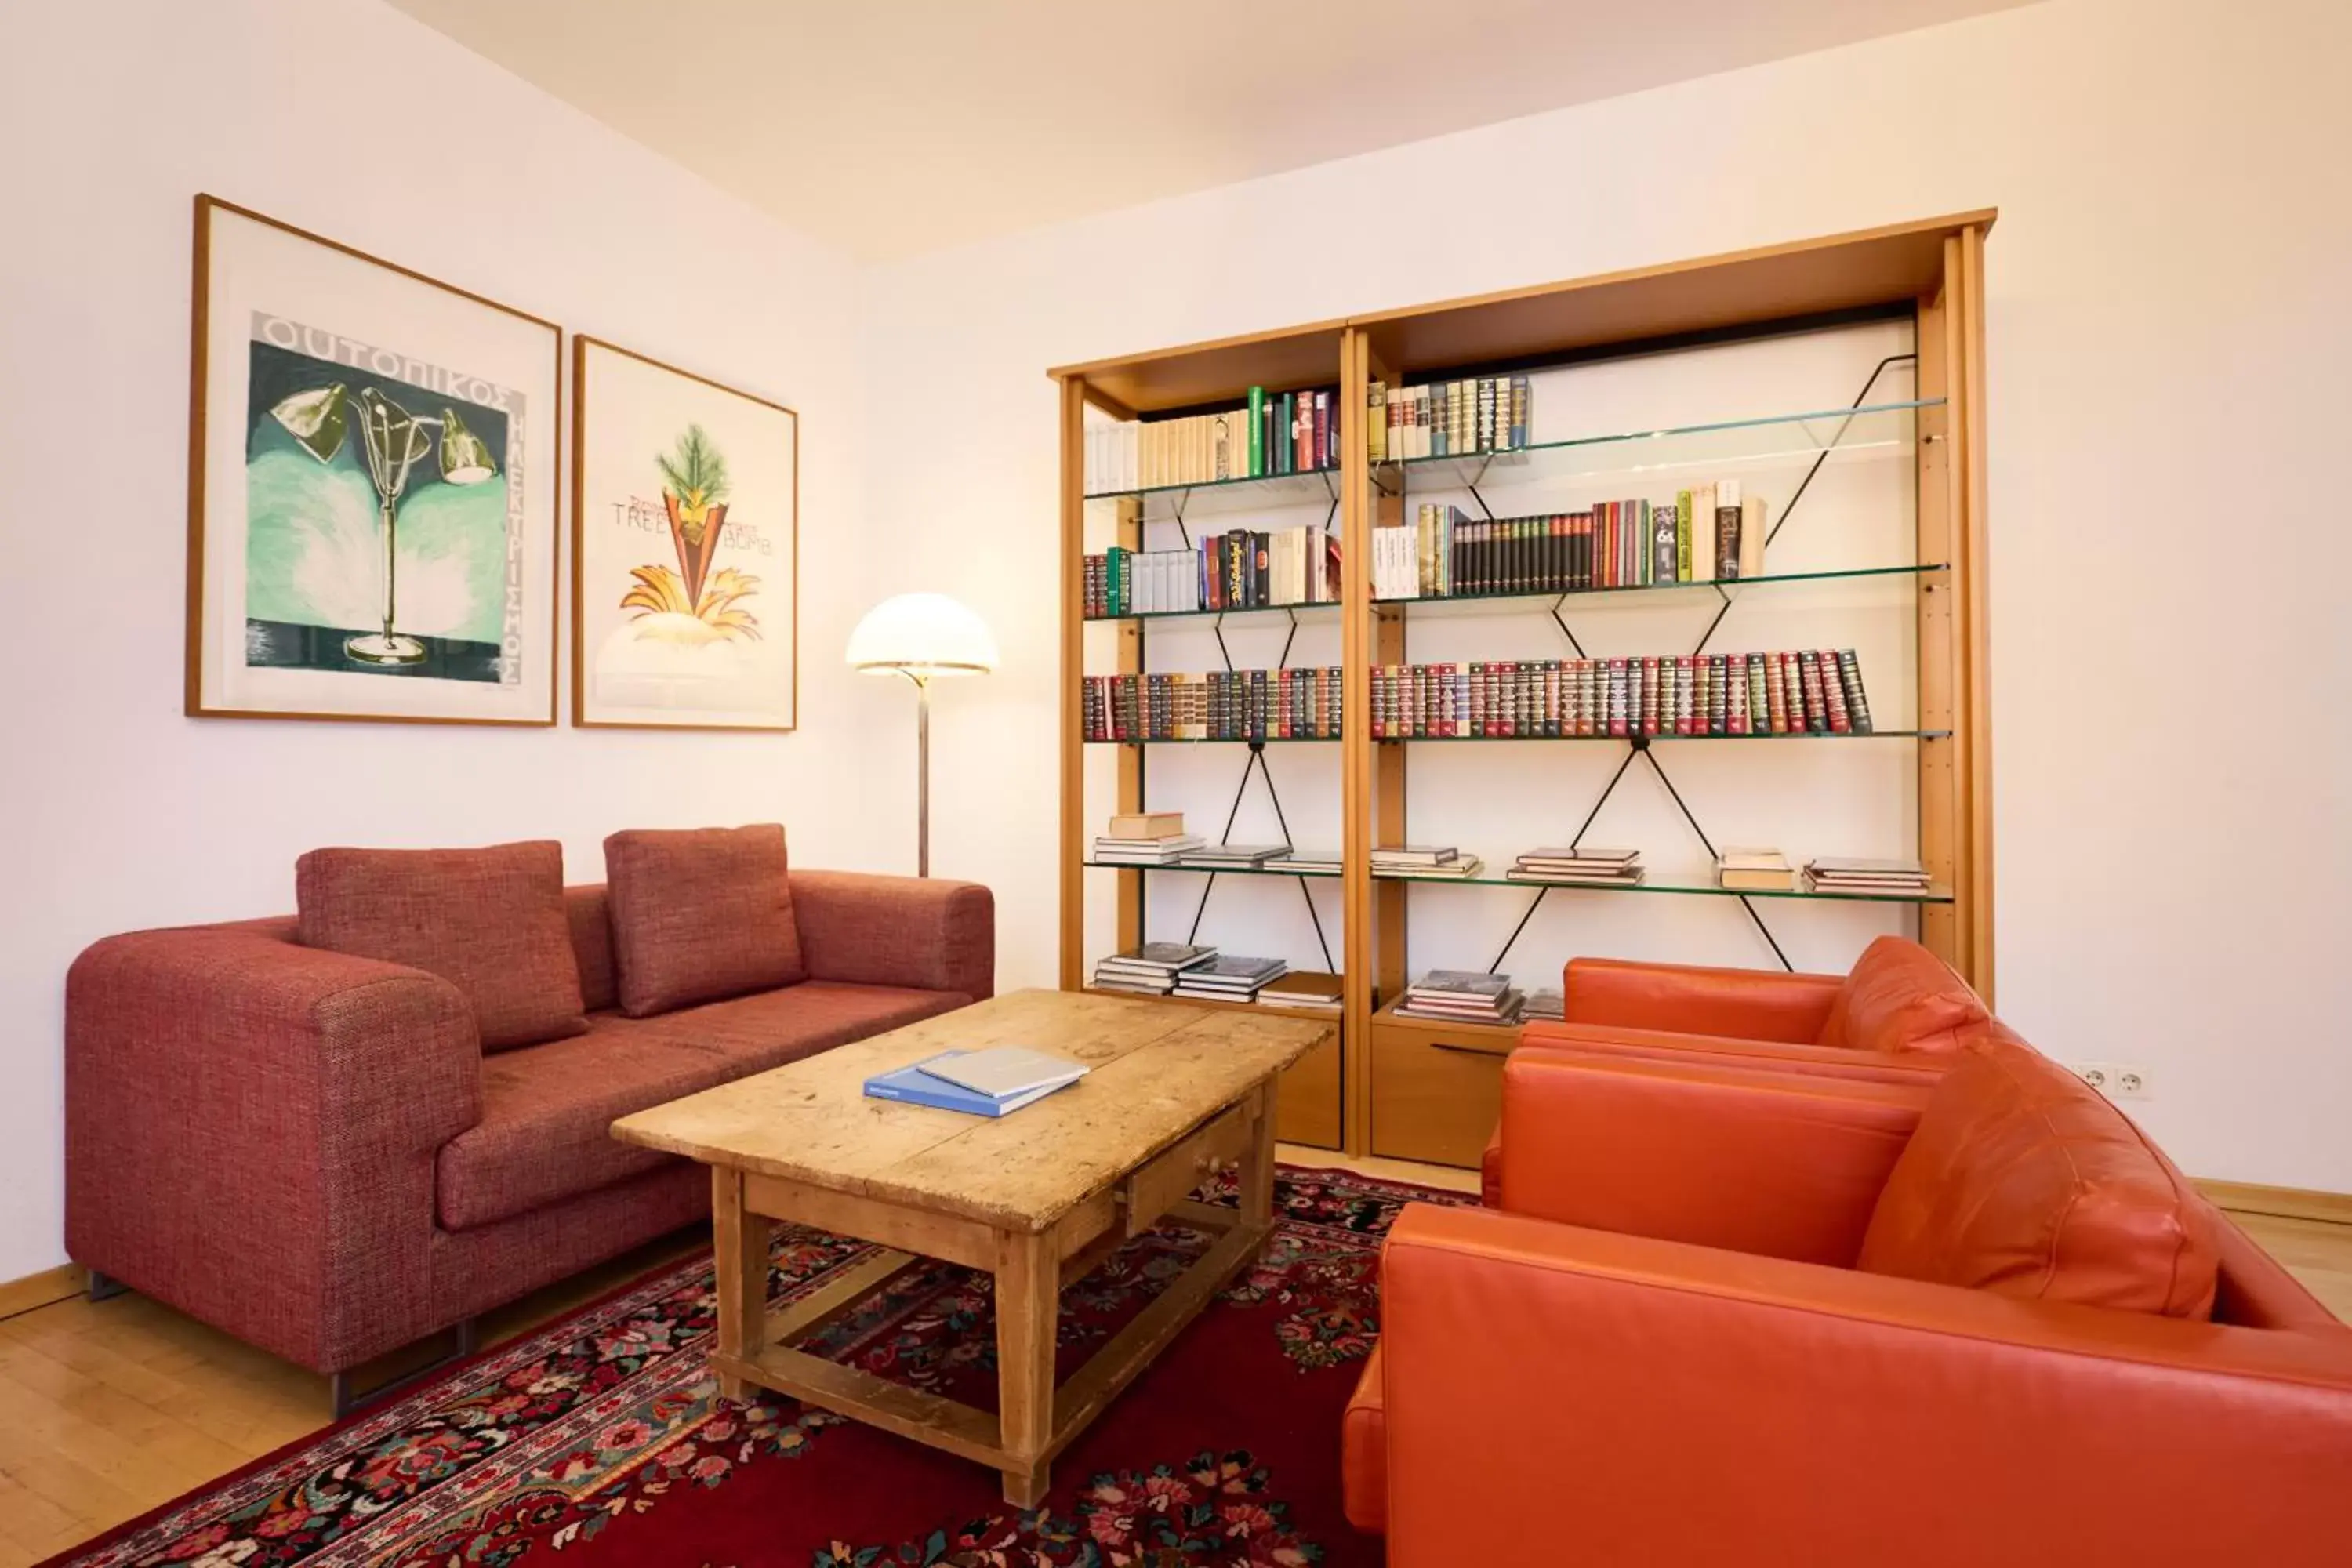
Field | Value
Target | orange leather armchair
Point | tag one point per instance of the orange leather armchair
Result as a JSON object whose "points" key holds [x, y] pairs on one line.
{"points": [[1898, 1018], [1734, 1315]]}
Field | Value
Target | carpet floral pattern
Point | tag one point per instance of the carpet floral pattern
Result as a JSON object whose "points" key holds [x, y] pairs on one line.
{"points": [[600, 1439]]}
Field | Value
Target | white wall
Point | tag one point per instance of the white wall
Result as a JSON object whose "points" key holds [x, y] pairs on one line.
{"points": [[343, 117], [2168, 335]]}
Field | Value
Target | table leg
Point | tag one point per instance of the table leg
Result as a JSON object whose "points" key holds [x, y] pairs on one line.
{"points": [[1256, 1175], [739, 1243], [1028, 1305]]}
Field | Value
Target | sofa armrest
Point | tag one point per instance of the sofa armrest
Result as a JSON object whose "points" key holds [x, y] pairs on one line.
{"points": [[917, 932], [1763, 1162], [1558, 1394], [1746, 1003], [1723, 1050], [250, 1133]]}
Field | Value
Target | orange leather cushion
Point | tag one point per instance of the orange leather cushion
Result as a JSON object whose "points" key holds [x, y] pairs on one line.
{"points": [[1901, 997], [2021, 1180], [1364, 1452]]}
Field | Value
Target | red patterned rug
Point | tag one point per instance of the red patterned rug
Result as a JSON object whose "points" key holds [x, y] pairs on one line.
{"points": [[600, 1438]]}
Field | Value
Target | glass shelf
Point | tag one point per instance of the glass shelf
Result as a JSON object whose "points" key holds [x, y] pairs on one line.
{"points": [[1276, 870], [1490, 604], [1873, 430], [1255, 493], [1555, 740], [1492, 877]]}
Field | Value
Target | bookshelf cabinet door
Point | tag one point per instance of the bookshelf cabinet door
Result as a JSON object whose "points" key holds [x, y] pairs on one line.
{"points": [[1435, 1097], [1306, 1110]]}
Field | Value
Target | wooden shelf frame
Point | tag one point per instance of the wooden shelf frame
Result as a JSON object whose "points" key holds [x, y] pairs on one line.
{"points": [[1931, 271]]}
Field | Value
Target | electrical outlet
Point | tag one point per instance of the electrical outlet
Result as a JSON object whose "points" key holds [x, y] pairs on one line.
{"points": [[2116, 1081], [2100, 1076]]}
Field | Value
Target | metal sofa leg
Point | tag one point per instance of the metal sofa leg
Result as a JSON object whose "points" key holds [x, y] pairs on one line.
{"points": [[105, 1287], [348, 1397]]}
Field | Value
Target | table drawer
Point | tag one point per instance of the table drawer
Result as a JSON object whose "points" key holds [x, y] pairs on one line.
{"points": [[1163, 1181], [1437, 1094]]}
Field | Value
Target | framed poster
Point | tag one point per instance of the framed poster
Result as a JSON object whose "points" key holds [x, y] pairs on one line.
{"points": [[372, 511], [684, 549]]}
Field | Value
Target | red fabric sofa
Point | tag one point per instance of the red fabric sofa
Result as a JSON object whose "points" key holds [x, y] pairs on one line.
{"points": [[312, 1150], [1756, 1311]]}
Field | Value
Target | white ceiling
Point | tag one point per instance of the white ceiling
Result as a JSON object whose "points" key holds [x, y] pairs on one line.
{"points": [[887, 127]]}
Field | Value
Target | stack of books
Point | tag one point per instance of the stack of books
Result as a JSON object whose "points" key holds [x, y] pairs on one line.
{"points": [[1304, 992], [1754, 871], [1462, 996], [1574, 863], [1234, 857], [993, 1082], [1231, 978], [1550, 1005], [1423, 860], [1307, 862], [1146, 839], [1150, 970], [1838, 874]]}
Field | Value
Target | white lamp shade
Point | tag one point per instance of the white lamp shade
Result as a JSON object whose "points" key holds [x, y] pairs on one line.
{"points": [[922, 635]]}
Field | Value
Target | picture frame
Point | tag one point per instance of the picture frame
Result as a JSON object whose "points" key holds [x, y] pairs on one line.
{"points": [[373, 458], [684, 549]]}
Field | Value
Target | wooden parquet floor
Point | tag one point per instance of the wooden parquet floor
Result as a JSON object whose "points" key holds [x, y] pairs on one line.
{"points": [[109, 1409]]}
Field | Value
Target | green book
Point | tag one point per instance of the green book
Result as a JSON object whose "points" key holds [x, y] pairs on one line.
{"points": [[1115, 579], [1285, 435], [1682, 537], [1256, 430]]}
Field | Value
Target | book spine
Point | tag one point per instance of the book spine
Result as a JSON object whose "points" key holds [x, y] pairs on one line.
{"points": [[1726, 530], [1664, 527], [1808, 673], [1683, 536], [1832, 692], [1857, 705], [1776, 693]]}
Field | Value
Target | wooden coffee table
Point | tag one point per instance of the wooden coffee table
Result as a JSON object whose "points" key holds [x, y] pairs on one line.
{"points": [[1038, 1198]]}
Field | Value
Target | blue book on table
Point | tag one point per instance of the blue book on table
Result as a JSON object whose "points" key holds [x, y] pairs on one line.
{"points": [[916, 1087]]}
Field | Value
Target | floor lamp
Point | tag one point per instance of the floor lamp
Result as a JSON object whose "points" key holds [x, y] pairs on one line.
{"points": [[922, 637]]}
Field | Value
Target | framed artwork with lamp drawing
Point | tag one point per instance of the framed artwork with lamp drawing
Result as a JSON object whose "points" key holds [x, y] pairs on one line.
{"points": [[685, 529], [372, 518]]}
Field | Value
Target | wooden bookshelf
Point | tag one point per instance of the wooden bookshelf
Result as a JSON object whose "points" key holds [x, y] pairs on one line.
{"points": [[1416, 1090]]}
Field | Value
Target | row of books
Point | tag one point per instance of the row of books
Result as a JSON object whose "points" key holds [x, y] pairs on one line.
{"points": [[1275, 433], [1449, 418], [1295, 704], [1236, 570], [1444, 552], [1815, 691]]}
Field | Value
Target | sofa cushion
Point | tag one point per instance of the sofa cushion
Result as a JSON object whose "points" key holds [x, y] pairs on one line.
{"points": [[490, 921], [547, 1111], [1901, 997], [1364, 1452], [2022, 1180], [700, 914]]}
